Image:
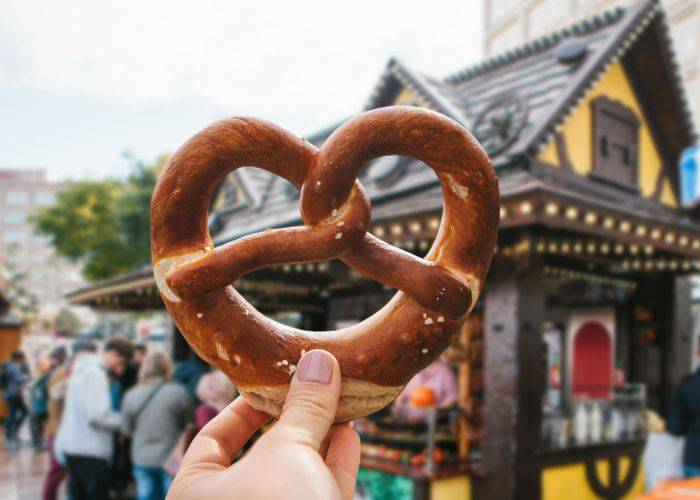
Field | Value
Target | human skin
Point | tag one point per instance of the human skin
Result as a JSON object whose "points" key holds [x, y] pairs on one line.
{"points": [[303, 456]]}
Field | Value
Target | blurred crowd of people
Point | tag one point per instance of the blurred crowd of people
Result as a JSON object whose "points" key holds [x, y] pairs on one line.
{"points": [[114, 420]]}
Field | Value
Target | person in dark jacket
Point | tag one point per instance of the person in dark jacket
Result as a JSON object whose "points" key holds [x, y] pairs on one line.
{"points": [[17, 375], [684, 420]]}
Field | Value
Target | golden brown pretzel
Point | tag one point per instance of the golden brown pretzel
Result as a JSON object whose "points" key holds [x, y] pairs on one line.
{"points": [[377, 356]]}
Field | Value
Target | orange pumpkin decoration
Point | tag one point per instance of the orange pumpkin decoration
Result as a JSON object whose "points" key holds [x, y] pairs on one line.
{"points": [[423, 397]]}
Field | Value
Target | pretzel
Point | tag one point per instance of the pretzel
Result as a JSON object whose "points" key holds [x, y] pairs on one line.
{"points": [[377, 356]]}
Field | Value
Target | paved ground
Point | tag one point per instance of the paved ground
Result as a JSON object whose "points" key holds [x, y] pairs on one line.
{"points": [[21, 473]]}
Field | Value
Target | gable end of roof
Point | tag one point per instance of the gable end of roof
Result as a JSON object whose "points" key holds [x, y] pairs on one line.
{"points": [[640, 18]]}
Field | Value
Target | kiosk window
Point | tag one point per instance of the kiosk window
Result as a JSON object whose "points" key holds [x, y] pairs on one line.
{"points": [[615, 142]]}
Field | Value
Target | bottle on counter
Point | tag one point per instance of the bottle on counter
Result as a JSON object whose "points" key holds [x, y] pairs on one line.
{"points": [[581, 423], [596, 423], [617, 424]]}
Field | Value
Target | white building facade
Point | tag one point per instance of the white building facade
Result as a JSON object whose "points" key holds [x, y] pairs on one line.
{"points": [[47, 277]]}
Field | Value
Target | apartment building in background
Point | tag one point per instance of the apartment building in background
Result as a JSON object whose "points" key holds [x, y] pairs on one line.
{"points": [[47, 277], [509, 23]]}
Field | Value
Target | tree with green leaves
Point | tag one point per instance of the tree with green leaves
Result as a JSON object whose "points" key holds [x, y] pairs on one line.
{"points": [[103, 225]]}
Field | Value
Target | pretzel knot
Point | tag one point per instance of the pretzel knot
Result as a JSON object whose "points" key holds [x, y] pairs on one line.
{"points": [[194, 278]]}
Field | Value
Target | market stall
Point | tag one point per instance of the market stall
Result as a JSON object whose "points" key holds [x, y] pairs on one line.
{"points": [[584, 322]]}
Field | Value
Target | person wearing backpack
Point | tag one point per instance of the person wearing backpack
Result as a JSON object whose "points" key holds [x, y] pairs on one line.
{"points": [[155, 413], [15, 374]]}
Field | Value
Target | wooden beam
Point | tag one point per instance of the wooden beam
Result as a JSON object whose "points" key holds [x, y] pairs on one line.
{"points": [[514, 379], [680, 343], [563, 152]]}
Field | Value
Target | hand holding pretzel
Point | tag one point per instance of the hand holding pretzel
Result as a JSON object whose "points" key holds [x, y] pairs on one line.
{"points": [[378, 356], [303, 449]]}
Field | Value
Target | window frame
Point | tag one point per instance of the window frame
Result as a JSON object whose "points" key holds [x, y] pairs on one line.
{"points": [[602, 170]]}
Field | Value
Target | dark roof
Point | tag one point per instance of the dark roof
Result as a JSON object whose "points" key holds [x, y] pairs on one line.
{"points": [[281, 207], [144, 273], [637, 36], [10, 320], [539, 45]]}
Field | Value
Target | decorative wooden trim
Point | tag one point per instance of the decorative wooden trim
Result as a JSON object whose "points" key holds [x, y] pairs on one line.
{"points": [[563, 152], [574, 206], [658, 187], [604, 103], [616, 488], [593, 67], [668, 167]]}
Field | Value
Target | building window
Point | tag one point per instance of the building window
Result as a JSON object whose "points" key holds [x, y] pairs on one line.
{"points": [[44, 199], [40, 240], [615, 142], [14, 218], [39, 257], [14, 236], [16, 198]]}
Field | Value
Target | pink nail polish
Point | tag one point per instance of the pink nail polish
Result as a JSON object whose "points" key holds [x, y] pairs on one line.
{"points": [[316, 366]]}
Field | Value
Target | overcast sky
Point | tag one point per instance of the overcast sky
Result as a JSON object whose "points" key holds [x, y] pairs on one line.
{"points": [[83, 81]]}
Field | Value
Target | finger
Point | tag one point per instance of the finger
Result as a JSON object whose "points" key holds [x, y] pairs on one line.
{"points": [[312, 400], [343, 458], [219, 441], [326, 440], [323, 449]]}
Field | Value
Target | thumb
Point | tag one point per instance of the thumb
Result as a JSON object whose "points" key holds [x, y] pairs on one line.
{"points": [[312, 399]]}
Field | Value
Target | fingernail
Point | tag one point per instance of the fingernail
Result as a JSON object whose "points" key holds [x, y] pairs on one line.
{"points": [[316, 366]]}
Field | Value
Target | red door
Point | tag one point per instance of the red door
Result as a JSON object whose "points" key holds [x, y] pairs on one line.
{"points": [[592, 362]]}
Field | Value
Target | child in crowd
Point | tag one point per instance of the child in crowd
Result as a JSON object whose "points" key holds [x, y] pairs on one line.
{"points": [[215, 391]]}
